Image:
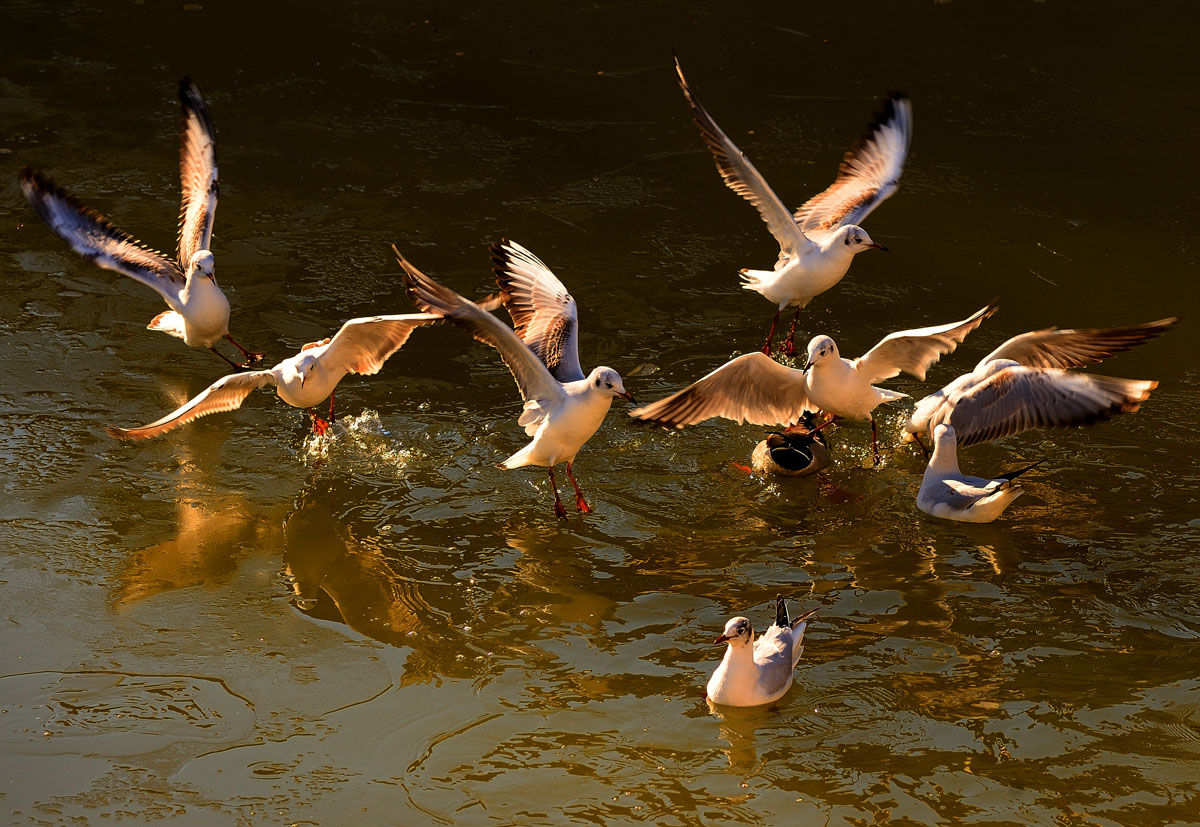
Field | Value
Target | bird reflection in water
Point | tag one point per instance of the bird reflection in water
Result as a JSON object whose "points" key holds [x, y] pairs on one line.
{"points": [[339, 578], [215, 528]]}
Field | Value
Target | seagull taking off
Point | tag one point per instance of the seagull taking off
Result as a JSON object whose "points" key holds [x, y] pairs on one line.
{"points": [[755, 388], [1026, 383], [563, 408], [755, 672], [947, 493], [303, 380], [199, 311], [817, 243]]}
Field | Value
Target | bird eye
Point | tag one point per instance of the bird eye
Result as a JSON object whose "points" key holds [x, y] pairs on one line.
{"points": [[608, 384], [858, 239]]}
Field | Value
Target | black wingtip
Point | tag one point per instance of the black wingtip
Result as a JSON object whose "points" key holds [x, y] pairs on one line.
{"points": [[781, 613], [1012, 475]]}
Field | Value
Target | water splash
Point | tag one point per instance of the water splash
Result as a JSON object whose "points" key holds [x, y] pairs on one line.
{"points": [[358, 444]]}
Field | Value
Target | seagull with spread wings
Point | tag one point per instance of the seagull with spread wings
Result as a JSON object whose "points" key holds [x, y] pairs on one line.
{"points": [[563, 407], [755, 388], [1028, 383], [817, 243], [303, 380], [199, 311]]}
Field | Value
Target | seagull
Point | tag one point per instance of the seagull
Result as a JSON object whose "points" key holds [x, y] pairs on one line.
{"points": [[199, 311], [755, 388], [816, 243], [798, 451], [947, 493], [755, 672], [563, 408], [303, 380], [1026, 383]]}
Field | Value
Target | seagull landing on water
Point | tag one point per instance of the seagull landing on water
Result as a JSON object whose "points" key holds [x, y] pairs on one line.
{"points": [[199, 311], [817, 243], [303, 380], [1026, 383], [755, 672], [563, 408], [947, 493], [755, 388]]}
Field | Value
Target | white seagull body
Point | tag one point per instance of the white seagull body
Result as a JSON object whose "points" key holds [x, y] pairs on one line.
{"points": [[758, 671], [948, 493], [1026, 383], [199, 311], [303, 380], [818, 241], [563, 408], [755, 388]]}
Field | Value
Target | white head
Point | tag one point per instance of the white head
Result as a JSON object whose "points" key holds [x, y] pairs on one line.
{"points": [[201, 264], [820, 349], [855, 239], [608, 381], [307, 363], [945, 449], [738, 632]]}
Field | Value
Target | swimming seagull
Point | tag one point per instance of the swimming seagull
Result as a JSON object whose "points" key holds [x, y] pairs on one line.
{"points": [[563, 408], [947, 493], [755, 388], [199, 311], [303, 380], [755, 672], [1026, 383], [817, 243]]}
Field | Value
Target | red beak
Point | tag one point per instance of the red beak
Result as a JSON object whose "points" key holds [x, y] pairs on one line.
{"points": [[875, 245], [629, 396], [721, 639]]}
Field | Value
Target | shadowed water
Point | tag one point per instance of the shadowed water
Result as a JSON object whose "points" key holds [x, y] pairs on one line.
{"points": [[237, 623]]}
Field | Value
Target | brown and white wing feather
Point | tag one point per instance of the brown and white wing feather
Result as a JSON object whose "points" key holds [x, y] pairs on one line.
{"points": [[1014, 398], [226, 394], [869, 173], [913, 351], [532, 377], [544, 314], [1054, 348], [363, 345], [743, 178], [751, 388], [197, 172], [93, 237]]}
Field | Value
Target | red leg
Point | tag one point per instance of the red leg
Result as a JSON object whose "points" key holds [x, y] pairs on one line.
{"points": [[580, 502], [251, 358], [232, 363], [875, 440], [331, 395], [924, 450], [559, 511], [319, 426], [771, 333], [789, 346]]}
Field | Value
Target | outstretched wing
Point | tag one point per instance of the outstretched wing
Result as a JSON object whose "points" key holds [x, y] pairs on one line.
{"points": [[741, 176], [913, 351], [363, 345], [197, 172], [869, 173], [90, 235], [1053, 348], [544, 315], [1012, 398], [532, 377], [226, 394], [751, 388]]}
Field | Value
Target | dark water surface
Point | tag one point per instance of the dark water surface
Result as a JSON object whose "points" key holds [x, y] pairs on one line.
{"points": [[233, 625]]}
